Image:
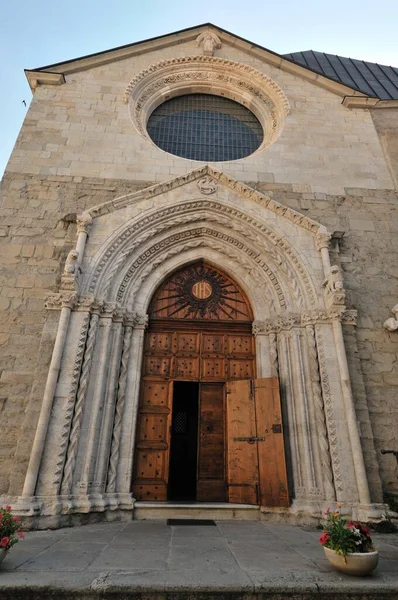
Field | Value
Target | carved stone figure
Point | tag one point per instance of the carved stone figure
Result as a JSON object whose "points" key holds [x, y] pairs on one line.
{"points": [[209, 41], [70, 264]]}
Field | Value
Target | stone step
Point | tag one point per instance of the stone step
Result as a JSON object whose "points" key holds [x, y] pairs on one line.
{"points": [[218, 511]]}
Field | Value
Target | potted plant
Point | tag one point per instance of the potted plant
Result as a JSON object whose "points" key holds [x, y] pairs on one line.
{"points": [[10, 531], [348, 545]]}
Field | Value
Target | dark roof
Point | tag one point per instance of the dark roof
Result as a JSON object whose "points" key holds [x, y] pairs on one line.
{"points": [[374, 80]]}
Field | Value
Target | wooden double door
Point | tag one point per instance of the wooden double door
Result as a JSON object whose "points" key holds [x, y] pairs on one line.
{"points": [[207, 430]]}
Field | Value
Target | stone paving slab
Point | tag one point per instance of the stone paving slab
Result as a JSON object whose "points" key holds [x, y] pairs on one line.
{"points": [[147, 558]]}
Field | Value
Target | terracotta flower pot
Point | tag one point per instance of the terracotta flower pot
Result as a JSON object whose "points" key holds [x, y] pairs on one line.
{"points": [[356, 563], [3, 554]]}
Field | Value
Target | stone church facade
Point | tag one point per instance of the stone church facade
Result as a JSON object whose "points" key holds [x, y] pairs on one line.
{"points": [[258, 285]]}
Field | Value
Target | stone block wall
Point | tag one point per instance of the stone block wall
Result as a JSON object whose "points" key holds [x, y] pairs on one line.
{"points": [[38, 225]]}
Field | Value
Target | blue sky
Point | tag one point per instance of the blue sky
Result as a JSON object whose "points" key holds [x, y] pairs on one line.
{"points": [[33, 34]]}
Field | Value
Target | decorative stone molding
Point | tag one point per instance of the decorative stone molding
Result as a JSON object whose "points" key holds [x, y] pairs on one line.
{"points": [[322, 240], [334, 288], [237, 186], [70, 402], [274, 245], [287, 321], [207, 185], [209, 42], [219, 76], [391, 324], [84, 223], [63, 299]]}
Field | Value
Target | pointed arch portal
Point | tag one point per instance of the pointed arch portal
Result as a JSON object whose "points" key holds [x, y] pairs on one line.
{"points": [[206, 430]]}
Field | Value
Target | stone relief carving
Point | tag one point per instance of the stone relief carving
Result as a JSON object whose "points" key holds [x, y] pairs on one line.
{"points": [[329, 413], [209, 42], [207, 185], [391, 324], [224, 64], [71, 263], [118, 420], [79, 407], [272, 242], [320, 419], [84, 223], [223, 179], [64, 299], [334, 287], [162, 245], [70, 403]]}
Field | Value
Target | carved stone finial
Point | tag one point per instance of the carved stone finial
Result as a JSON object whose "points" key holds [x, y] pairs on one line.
{"points": [[209, 41], [391, 324], [84, 223], [207, 185]]}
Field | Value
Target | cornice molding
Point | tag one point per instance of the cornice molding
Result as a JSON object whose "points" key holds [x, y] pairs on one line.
{"points": [[170, 40], [223, 179], [36, 78], [367, 103]]}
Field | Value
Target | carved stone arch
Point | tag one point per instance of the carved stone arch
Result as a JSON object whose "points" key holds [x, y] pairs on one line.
{"points": [[260, 302], [137, 269], [209, 75], [125, 241]]}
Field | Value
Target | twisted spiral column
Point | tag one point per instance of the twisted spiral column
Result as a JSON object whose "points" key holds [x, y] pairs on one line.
{"points": [[79, 406], [320, 418], [117, 426]]}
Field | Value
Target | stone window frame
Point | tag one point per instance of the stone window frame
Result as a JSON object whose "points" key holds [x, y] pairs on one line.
{"points": [[208, 75]]}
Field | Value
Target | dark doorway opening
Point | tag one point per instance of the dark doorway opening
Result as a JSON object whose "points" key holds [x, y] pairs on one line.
{"points": [[184, 442]]}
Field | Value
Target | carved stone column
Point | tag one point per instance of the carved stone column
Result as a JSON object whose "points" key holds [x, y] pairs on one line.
{"points": [[87, 483], [262, 350], [286, 385], [79, 405], [127, 436], [302, 415], [104, 444], [119, 409], [67, 302]]}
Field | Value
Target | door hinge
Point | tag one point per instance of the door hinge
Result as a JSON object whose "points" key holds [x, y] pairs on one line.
{"points": [[249, 440]]}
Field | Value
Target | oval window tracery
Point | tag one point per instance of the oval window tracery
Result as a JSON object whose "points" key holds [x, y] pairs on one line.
{"points": [[205, 127]]}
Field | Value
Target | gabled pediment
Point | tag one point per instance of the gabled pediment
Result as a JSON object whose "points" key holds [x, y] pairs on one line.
{"points": [[207, 181], [54, 74]]}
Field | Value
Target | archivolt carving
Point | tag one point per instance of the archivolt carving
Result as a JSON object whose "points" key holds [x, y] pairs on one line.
{"points": [[226, 65], [196, 234], [266, 239]]}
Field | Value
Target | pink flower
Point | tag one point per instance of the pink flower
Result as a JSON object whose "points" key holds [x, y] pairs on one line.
{"points": [[4, 542], [21, 535], [8, 507], [350, 525], [16, 519], [324, 538], [327, 511]]}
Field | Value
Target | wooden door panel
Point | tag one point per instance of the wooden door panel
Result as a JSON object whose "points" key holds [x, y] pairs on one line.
{"points": [[159, 342], [213, 369], [153, 427], [240, 369], [240, 345], [188, 343], [158, 366], [155, 393], [186, 368], [271, 451], [211, 470], [153, 442], [213, 344], [242, 463]]}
